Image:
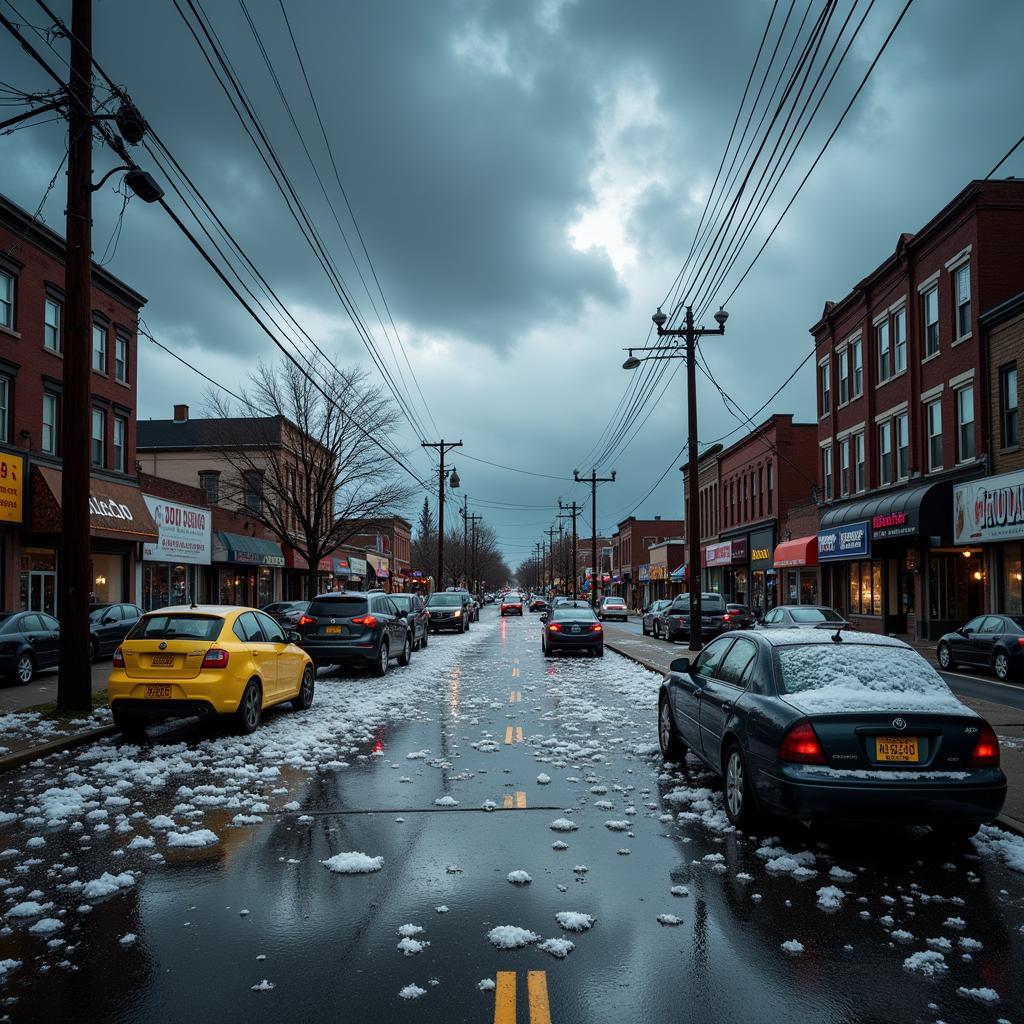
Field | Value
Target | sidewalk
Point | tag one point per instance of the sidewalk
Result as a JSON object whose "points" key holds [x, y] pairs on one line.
{"points": [[1008, 722], [43, 689]]}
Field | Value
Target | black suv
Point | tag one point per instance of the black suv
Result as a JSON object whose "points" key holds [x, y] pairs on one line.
{"points": [[674, 622], [450, 610], [344, 627]]}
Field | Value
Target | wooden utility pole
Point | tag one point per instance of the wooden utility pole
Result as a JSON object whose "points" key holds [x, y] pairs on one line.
{"points": [[442, 449], [593, 480], [571, 512]]}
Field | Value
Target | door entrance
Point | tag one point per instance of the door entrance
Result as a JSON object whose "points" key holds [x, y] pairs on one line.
{"points": [[39, 581]]}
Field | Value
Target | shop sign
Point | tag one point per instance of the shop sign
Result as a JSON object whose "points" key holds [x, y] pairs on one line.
{"points": [[643, 573], [341, 567], [718, 554], [893, 524], [659, 572], [989, 510], [762, 550], [358, 566], [12, 488], [183, 531], [380, 565], [850, 541]]}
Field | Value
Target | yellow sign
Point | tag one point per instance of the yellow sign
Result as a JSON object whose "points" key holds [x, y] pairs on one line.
{"points": [[760, 554], [658, 572], [12, 487]]}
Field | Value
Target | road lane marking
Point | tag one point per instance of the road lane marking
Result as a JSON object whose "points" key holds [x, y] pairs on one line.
{"points": [[512, 697], [508, 735], [519, 734], [520, 799], [505, 998], [507, 802], [537, 991]]}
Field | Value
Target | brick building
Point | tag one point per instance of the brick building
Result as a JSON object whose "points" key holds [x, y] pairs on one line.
{"points": [[902, 403], [630, 544], [710, 505], [387, 543], [32, 341]]}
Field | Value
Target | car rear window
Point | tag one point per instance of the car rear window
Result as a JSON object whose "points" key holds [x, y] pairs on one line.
{"points": [[445, 601], [177, 627], [616, 601], [815, 615], [570, 614], [343, 606], [512, 599]]}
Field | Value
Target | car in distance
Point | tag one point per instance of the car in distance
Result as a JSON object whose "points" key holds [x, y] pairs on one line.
{"points": [[414, 610], [448, 610], [286, 613], [571, 629], [512, 604], [612, 608], [815, 725], [739, 616], [353, 627], [674, 622], [29, 641], [803, 616], [538, 603], [109, 624], [651, 613], [992, 642], [214, 660]]}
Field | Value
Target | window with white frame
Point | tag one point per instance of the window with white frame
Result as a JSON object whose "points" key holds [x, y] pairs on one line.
{"points": [[933, 428], [51, 406], [98, 437], [5, 409], [99, 348], [884, 353], [844, 467], [6, 300], [844, 376], [901, 429], [826, 470], [965, 424], [1008, 403], [120, 442], [885, 453], [859, 465], [930, 313], [121, 358], [899, 340], [962, 297], [826, 390], [51, 325], [857, 359]]}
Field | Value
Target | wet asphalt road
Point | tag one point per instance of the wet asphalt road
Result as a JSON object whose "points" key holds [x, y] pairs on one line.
{"points": [[386, 751]]}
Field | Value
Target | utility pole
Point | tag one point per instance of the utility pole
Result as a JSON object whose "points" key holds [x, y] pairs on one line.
{"points": [[474, 518], [593, 480], [571, 512], [464, 512], [442, 449], [551, 531]]}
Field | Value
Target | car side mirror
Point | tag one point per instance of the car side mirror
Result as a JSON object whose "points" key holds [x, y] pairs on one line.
{"points": [[543, 616], [966, 631], [402, 613], [680, 665], [293, 637]]}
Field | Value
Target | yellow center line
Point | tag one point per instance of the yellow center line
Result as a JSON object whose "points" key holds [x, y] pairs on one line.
{"points": [[512, 697], [507, 803], [519, 734], [520, 800], [508, 734], [537, 989], [505, 998], [519, 696]]}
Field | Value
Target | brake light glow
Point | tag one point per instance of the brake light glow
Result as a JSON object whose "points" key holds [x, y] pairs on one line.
{"points": [[118, 661], [802, 746], [726, 617], [306, 620], [1020, 641], [369, 621], [596, 627], [215, 658], [554, 628], [986, 750]]}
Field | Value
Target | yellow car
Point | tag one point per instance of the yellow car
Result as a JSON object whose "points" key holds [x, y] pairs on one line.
{"points": [[207, 660]]}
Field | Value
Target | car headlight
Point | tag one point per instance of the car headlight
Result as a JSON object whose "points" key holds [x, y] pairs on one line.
{"points": [[458, 614]]}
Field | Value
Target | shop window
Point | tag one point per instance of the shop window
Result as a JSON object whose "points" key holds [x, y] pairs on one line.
{"points": [[826, 471], [98, 438], [962, 292], [51, 325], [899, 340], [51, 423], [965, 424], [866, 588], [826, 390], [107, 578], [6, 390], [884, 354], [164, 584], [1008, 403], [885, 453], [901, 427], [1012, 578], [930, 311], [933, 428], [6, 300], [99, 348], [859, 465]]}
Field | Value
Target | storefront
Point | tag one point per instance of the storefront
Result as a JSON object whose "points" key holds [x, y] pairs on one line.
{"points": [[246, 570], [379, 570], [732, 557], [796, 563], [12, 511], [358, 569], [643, 578], [677, 581], [172, 566], [764, 589]]}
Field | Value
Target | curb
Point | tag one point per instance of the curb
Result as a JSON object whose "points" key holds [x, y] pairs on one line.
{"points": [[22, 757]]}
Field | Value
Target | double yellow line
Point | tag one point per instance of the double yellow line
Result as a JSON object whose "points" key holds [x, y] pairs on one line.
{"points": [[536, 995], [509, 734], [518, 801], [515, 697]]}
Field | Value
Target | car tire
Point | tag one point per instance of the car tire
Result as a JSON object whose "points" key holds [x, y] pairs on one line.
{"points": [[643, 629], [406, 655], [25, 669], [673, 749], [944, 656], [127, 724], [739, 798], [1001, 665], [954, 833], [426, 638], [250, 709], [600, 651], [379, 666], [306, 689], [94, 649]]}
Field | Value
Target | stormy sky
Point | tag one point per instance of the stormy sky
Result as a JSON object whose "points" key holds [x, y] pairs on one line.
{"points": [[527, 177]]}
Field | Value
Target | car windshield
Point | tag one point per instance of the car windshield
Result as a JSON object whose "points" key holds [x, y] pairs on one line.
{"points": [[444, 601], [845, 677], [815, 615], [571, 614], [177, 627]]}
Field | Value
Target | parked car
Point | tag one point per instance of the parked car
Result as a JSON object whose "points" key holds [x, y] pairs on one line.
{"points": [[449, 610], [651, 613], [811, 726], [474, 605], [414, 609], [286, 613], [674, 622], [802, 616], [538, 603], [571, 629], [739, 616], [355, 627], [612, 608], [109, 624], [208, 660], [512, 604], [993, 642], [29, 641]]}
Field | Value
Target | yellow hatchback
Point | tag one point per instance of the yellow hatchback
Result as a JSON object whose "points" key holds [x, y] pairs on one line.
{"points": [[207, 660]]}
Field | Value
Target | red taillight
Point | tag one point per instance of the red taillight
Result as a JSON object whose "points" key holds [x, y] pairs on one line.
{"points": [[215, 658], [369, 621], [596, 627], [802, 746], [118, 661], [1020, 640], [306, 620], [554, 628], [726, 617], [986, 750]]}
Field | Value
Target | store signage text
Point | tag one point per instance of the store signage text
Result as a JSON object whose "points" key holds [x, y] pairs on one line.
{"points": [[11, 488], [850, 541], [110, 509], [183, 532], [886, 522], [760, 554], [991, 509]]}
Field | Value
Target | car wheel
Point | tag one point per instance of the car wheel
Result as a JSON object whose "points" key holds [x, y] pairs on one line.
{"points": [[673, 749], [94, 648], [406, 656], [954, 833], [250, 709], [1001, 666], [739, 801], [306, 688], [600, 651], [425, 640], [25, 669], [380, 665], [126, 723], [945, 657]]}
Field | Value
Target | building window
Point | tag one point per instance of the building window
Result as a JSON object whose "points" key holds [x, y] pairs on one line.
{"points": [[760, 490], [899, 341], [6, 300], [844, 467], [962, 291], [771, 489], [5, 409], [209, 481], [930, 308], [746, 499], [902, 428], [99, 348], [252, 490], [51, 425], [858, 452], [858, 369], [826, 470], [884, 355], [826, 390], [965, 424], [120, 442], [121, 358], [885, 453], [51, 325], [844, 376], [933, 428], [98, 438], [1008, 405]]}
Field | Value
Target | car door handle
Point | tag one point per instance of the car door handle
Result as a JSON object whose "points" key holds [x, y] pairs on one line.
{"points": [[727, 705]]}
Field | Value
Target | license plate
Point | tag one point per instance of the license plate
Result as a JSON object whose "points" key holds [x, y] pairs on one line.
{"points": [[163, 660], [575, 629], [896, 748], [158, 691], [332, 629]]}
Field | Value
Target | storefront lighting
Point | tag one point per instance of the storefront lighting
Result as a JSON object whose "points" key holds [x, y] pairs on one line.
{"points": [[967, 553], [101, 581], [1018, 576], [977, 575]]}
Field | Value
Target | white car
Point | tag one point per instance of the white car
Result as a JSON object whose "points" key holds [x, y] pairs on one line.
{"points": [[612, 608]]}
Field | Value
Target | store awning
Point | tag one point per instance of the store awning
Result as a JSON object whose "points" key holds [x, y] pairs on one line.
{"points": [[680, 573], [801, 551], [116, 511], [240, 549], [924, 509]]}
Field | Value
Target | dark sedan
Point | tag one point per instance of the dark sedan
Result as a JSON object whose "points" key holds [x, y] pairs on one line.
{"points": [[651, 615], [739, 616], [450, 610], [28, 641], [286, 613], [109, 624], [414, 609], [812, 725], [802, 616], [993, 642], [571, 629], [674, 622]]}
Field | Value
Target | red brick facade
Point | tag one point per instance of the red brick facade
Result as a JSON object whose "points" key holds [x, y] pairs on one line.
{"points": [[630, 544]]}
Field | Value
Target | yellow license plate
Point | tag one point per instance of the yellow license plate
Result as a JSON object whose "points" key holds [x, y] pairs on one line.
{"points": [[158, 691], [332, 629], [896, 748], [163, 660]]}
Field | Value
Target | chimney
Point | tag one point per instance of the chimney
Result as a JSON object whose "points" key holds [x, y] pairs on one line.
{"points": [[656, 517], [181, 414]]}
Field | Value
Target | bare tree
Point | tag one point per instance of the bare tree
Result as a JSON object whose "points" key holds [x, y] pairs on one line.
{"points": [[312, 470], [424, 541]]}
